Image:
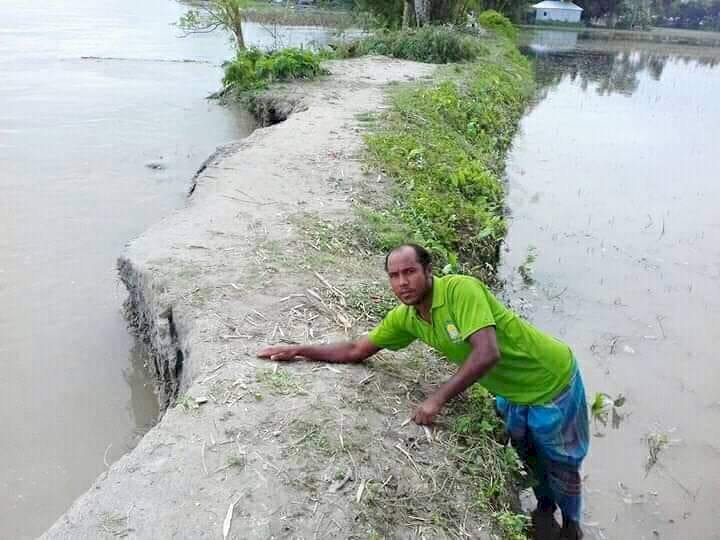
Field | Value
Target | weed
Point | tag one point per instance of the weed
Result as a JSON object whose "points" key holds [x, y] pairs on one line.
{"points": [[656, 441], [186, 403], [525, 268], [309, 435], [236, 461], [604, 407], [280, 382], [513, 526], [477, 415]]}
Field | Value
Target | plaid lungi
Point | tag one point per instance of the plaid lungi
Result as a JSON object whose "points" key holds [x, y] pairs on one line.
{"points": [[552, 439]]}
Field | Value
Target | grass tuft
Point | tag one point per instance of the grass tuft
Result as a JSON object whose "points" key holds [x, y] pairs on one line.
{"points": [[280, 382]]}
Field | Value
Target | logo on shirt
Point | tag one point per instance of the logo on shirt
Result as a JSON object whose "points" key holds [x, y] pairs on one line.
{"points": [[452, 331]]}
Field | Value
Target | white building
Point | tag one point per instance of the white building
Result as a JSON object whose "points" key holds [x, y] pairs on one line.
{"points": [[555, 10]]}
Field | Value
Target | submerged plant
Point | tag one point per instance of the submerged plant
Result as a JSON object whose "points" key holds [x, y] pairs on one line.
{"points": [[605, 407]]}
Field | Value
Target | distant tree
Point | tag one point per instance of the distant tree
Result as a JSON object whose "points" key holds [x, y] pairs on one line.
{"points": [[408, 13], [206, 16], [596, 9]]}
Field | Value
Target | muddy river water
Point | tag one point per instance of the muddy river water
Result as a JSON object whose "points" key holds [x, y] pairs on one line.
{"points": [[614, 191], [92, 94]]}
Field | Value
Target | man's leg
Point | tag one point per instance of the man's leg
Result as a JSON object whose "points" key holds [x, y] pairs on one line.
{"points": [[566, 486], [515, 419], [560, 433]]}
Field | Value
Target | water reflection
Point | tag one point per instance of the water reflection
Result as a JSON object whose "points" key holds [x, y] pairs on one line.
{"points": [[142, 406], [563, 55], [613, 182]]}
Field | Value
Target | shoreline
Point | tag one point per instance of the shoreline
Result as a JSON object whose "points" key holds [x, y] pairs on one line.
{"points": [[660, 35]]}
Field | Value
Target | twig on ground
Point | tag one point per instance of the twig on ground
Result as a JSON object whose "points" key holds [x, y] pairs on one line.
{"points": [[613, 342], [409, 457], [558, 295], [227, 523], [366, 379], [202, 455], [360, 491], [660, 324], [105, 455]]}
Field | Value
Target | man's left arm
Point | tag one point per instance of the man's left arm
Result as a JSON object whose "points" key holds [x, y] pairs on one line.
{"points": [[483, 357]]}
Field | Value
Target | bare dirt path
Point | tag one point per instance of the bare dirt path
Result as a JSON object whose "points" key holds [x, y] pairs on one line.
{"points": [[298, 450]]}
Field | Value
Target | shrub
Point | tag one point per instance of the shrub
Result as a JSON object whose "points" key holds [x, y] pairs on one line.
{"points": [[431, 44], [253, 68], [498, 23]]}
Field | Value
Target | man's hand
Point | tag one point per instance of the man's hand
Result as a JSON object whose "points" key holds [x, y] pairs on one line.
{"points": [[279, 352], [427, 411], [347, 352]]}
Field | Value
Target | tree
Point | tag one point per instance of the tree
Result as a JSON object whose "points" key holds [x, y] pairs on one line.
{"points": [[410, 13], [210, 15], [596, 9]]}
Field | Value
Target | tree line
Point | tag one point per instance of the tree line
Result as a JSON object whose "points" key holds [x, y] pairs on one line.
{"points": [[692, 14]]}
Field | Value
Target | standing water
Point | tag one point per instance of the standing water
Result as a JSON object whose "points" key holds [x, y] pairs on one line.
{"points": [[614, 189], [103, 121]]}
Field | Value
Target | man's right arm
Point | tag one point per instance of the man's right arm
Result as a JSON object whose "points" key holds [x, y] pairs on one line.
{"points": [[348, 352]]}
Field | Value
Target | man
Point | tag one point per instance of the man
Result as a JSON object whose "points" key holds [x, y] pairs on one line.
{"points": [[538, 388]]}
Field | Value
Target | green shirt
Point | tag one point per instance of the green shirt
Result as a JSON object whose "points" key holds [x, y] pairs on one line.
{"points": [[533, 367]]}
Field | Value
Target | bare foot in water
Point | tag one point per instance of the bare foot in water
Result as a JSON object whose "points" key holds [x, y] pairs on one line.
{"points": [[544, 524]]}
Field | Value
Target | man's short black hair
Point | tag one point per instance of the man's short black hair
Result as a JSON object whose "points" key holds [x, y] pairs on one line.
{"points": [[421, 254]]}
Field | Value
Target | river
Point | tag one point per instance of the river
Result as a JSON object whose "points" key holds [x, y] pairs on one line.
{"points": [[103, 122], [613, 187]]}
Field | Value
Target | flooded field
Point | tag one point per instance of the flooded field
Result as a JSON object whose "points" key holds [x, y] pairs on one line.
{"points": [[103, 122], [613, 193]]}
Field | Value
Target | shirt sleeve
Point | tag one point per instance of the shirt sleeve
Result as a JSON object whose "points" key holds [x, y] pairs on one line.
{"points": [[391, 333], [469, 306]]}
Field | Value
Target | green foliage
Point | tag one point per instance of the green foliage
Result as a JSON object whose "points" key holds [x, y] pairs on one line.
{"points": [[479, 416], [444, 145], [498, 23], [513, 526], [380, 13], [253, 68], [186, 403], [431, 44]]}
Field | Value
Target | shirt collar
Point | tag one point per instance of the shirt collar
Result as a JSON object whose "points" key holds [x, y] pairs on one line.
{"points": [[438, 293]]}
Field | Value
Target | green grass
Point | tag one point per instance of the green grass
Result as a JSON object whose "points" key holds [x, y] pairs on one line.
{"points": [[431, 44], [254, 69], [444, 145], [280, 382]]}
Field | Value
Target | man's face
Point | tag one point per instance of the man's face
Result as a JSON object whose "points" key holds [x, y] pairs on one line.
{"points": [[408, 279]]}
